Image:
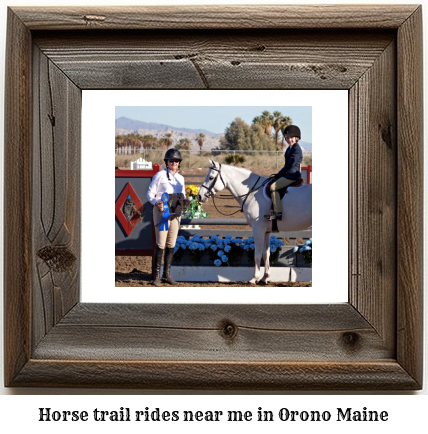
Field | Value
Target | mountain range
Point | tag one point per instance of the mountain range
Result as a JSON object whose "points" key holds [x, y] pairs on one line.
{"points": [[124, 125], [132, 124]]}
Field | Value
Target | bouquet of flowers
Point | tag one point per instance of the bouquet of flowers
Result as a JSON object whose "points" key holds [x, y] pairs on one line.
{"points": [[306, 251], [194, 209]]}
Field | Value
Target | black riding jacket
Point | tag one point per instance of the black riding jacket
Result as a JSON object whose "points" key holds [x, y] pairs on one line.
{"points": [[293, 159]]}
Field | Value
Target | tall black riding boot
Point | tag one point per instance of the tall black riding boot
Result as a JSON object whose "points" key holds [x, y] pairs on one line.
{"points": [[169, 252], [158, 262]]}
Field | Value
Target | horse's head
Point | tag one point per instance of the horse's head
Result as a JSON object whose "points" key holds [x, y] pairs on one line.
{"points": [[213, 182]]}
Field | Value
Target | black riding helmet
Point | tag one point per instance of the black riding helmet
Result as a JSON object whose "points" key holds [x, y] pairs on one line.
{"points": [[172, 154], [293, 131]]}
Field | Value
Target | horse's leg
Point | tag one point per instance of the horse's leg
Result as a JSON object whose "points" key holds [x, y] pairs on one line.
{"points": [[258, 247], [266, 254]]}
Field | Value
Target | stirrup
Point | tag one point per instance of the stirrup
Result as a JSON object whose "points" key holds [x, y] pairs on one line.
{"points": [[274, 216]]}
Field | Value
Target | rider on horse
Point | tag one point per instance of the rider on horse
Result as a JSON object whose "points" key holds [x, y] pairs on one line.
{"points": [[290, 173]]}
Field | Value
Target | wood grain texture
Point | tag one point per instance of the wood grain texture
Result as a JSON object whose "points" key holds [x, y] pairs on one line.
{"points": [[216, 375], [410, 195], [17, 199], [372, 342], [199, 332], [217, 17], [373, 178], [56, 194], [215, 60]]}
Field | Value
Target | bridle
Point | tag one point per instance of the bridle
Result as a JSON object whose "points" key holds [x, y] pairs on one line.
{"points": [[209, 193]]}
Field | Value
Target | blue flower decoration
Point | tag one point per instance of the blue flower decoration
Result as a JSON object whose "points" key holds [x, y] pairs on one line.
{"points": [[227, 249], [220, 253], [224, 258], [217, 262]]}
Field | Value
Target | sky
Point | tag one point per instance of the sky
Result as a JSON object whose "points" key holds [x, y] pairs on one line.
{"points": [[213, 118]]}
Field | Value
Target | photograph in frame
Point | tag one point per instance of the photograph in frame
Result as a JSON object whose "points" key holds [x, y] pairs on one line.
{"points": [[243, 156], [371, 342]]}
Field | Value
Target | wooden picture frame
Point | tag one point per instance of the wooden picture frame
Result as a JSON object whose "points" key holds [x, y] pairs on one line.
{"points": [[372, 342]]}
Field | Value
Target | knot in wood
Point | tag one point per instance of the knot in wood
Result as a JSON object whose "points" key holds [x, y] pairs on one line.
{"points": [[351, 340], [58, 259], [228, 330]]}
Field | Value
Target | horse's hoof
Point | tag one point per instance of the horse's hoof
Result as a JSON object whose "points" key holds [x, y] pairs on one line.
{"points": [[253, 281]]}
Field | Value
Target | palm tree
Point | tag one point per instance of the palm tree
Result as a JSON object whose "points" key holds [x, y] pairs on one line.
{"points": [[132, 140], [166, 141], [200, 139], [119, 141], [149, 141], [268, 122], [184, 144], [277, 123], [285, 122]]}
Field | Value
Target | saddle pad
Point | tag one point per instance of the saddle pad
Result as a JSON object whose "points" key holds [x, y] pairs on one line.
{"points": [[282, 192], [265, 193]]}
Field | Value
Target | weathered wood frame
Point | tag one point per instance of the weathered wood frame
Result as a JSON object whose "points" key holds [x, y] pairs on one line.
{"points": [[372, 342]]}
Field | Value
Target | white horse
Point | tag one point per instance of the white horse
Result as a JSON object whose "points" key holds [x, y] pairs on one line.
{"points": [[297, 207]]}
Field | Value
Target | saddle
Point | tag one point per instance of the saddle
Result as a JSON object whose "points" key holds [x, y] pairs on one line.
{"points": [[283, 191]]}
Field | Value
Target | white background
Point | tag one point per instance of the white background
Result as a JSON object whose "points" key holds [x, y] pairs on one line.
{"points": [[20, 412], [330, 204]]}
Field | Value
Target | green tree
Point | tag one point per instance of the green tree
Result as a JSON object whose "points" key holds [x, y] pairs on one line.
{"points": [[241, 136]]}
